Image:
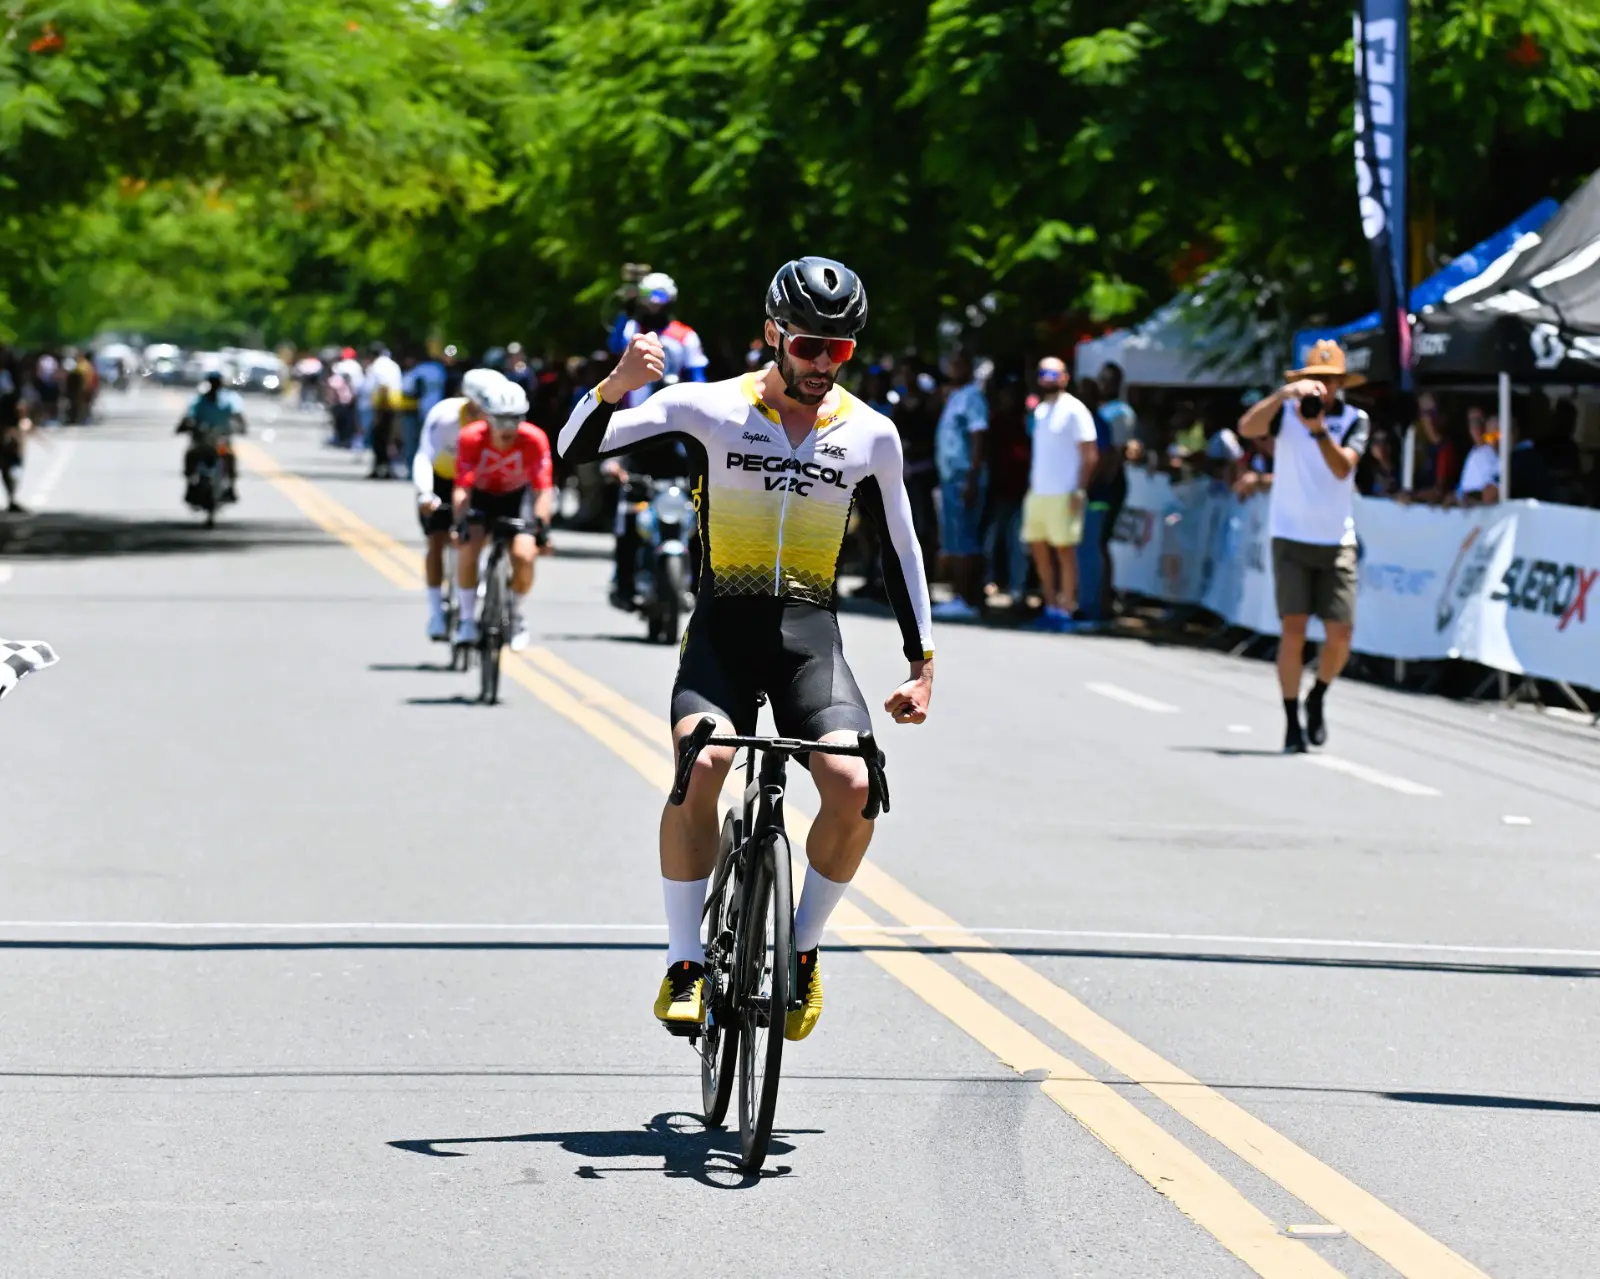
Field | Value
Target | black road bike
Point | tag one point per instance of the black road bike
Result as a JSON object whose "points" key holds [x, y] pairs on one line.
{"points": [[494, 610], [751, 978], [452, 608]]}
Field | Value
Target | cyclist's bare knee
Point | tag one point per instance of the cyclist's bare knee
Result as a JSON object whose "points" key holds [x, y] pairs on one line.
{"points": [[841, 782], [710, 766]]}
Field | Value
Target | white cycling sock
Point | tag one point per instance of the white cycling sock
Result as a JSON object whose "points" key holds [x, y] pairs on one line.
{"points": [[435, 599], [467, 602], [519, 603], [686, 900], [817, 899]]}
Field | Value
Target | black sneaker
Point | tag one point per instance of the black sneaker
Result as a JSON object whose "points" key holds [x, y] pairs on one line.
{"points": [[1316, 726]]}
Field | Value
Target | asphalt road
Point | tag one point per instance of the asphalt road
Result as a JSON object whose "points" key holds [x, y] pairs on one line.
{"points": [[313, 967]]}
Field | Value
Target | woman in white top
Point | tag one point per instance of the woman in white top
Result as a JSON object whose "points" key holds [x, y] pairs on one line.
{"points": [[1480, 473]]}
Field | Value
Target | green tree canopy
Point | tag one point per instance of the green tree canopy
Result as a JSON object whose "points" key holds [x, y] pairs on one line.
{"points": [[310, 171]]}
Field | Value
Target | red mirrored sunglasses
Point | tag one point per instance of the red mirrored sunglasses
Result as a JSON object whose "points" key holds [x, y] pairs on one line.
{"points": [[806, 346]]}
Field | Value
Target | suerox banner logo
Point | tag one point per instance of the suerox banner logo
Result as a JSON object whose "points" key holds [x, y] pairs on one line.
{"points": [[1545, 586]]}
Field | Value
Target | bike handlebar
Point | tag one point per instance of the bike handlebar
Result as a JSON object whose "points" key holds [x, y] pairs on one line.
{"points": [[866, 747]]}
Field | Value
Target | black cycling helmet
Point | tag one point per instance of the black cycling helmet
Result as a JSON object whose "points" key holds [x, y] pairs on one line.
{"points": [[818, 295]]}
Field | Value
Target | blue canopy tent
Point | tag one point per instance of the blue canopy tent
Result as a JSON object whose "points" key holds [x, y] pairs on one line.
{"points": [[1431, 292]]}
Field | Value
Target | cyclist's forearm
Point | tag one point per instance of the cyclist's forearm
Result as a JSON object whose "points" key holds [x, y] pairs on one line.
{"points": [[544, 504], [884, 501], [598, 428]]}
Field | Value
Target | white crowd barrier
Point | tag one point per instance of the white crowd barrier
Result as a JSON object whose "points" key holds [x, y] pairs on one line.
{"points": [[1511, 586]]}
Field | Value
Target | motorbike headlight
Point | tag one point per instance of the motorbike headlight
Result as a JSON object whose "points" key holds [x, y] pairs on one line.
{"points": [[673, 506]]}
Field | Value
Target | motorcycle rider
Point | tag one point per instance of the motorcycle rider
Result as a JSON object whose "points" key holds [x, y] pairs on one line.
{"points": [[433, 470], [685, 360], [216, 413]]}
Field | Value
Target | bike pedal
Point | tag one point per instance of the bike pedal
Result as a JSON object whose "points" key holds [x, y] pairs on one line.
{"points": [[683, 1030]]}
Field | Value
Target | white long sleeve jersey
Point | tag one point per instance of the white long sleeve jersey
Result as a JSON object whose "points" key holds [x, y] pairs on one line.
{"points": [[772, 515], [436, 446]]}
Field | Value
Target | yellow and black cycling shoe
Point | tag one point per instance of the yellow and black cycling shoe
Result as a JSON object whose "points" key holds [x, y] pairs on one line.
{"points": [[681, 1002], [797, 1024]]}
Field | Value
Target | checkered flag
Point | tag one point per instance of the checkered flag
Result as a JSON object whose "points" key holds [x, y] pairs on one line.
{"points": [[22, 657]]}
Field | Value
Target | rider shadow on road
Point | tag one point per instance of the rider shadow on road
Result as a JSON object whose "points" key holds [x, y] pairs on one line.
{"points": [[683, 1147]]}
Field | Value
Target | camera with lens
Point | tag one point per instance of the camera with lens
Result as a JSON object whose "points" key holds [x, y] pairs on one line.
{"points": [[1310, 406]]}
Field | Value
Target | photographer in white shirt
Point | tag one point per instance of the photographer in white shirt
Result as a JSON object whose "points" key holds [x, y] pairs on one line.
{"points": [[1319, 440]]}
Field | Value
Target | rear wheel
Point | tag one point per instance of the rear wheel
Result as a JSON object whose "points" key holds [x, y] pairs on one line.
{"points": [[719, 1044], [765, 962], [451, 601], [493, 634]]}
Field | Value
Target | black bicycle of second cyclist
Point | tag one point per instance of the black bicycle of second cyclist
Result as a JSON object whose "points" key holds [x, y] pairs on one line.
{"points": [[751, 977], [494, 612]]}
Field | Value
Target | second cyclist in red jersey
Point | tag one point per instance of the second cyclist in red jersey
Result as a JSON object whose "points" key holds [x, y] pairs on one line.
{"points": [[503, 471]]}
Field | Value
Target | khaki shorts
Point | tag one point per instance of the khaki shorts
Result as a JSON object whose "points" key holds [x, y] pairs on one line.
{"points": [[1318, 581], [1056, 518]]}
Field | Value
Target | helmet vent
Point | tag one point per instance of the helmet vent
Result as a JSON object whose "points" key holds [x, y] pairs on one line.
{"points": [[832, 278]]}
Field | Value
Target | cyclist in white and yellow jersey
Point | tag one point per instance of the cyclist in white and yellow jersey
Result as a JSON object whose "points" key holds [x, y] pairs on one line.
{"points": [[434, 471], [781, 455]]}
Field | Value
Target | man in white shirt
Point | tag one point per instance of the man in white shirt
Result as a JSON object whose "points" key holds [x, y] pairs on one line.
{"points": [[384, 386], [1064, 457], [1320, 439]]}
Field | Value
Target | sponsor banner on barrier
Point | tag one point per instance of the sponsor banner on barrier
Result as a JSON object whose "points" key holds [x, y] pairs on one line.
{"points": [[1512, 586]]}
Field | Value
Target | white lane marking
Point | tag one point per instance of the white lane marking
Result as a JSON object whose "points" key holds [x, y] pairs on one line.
{"points": [[1132, 699], [63, 454], [1376, 776], [1240, 728], [1335, 943], [1512, 819], [6, 573], [122, 925]]}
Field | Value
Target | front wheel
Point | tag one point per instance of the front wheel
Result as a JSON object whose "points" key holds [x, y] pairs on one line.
{"points": [[764, 963], [493, 636], [719, 1044], [669, 597]]}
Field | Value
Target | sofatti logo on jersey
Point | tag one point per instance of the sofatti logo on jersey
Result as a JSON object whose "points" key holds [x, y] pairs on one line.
{"points": [[786, 473], [756, 438]]}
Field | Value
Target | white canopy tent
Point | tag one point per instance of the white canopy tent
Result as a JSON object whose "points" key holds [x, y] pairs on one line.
{"points": [[1176, 346]]}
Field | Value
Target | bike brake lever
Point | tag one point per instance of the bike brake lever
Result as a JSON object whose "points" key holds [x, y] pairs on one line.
{"points": [[877, 781], [688, 751]]}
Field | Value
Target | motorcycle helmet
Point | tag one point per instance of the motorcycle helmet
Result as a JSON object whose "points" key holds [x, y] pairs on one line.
{"points": [[658, 289]]}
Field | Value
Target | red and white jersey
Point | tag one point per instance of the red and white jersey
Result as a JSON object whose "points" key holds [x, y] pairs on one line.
{"points": [[523, 463]]}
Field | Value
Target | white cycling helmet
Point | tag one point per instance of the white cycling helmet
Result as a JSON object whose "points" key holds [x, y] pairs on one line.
{"points": [[505, 399], [659, 288], [476, 384]]}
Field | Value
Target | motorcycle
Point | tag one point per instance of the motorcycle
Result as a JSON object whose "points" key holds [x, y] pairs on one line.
{"points": [[663, 515], [208, 487]]}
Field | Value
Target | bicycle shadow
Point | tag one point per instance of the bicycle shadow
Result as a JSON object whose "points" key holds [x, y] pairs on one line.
{"points": [[678, 1140]]}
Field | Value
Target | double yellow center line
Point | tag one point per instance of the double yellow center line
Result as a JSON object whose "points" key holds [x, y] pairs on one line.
{"points": [[642, 740]]}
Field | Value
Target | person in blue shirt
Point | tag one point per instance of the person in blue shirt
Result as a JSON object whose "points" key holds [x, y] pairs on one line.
{"points": [[685, 361], [686, 358], [213, 414]]}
